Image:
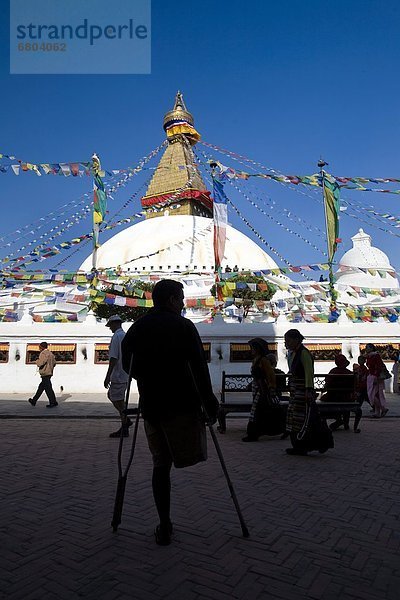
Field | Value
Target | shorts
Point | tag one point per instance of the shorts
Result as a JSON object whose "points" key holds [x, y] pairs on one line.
{"points": [[181, 440], [116, 392]]}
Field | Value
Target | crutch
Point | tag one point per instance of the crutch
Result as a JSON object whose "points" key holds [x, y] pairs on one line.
{"points": [[245, 531], [122, 475]]}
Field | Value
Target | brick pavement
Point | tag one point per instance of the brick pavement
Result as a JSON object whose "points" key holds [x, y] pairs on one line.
{"points": [[322, 527]]}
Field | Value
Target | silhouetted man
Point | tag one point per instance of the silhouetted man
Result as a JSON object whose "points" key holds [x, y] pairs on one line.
{"points": [[172, 375]]}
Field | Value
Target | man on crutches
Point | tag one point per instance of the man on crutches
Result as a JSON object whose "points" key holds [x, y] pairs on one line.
{"points": [[165, 354]]}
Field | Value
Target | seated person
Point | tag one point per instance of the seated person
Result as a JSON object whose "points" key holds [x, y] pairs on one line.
{"points": [[339, 389]]}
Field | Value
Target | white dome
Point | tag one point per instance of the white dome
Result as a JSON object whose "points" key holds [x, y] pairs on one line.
{"points": [[365, 256], [177, 243]]}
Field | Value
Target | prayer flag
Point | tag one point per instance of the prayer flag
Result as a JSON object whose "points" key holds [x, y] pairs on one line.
{"points": [[220, 216], [99, 199], [331, 200]]}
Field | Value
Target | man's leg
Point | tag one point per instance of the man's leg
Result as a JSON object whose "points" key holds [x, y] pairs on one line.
{"points": [[48, 388], [39, 391], [120, 407], [125, 421], [116, 395], [161, 482]]}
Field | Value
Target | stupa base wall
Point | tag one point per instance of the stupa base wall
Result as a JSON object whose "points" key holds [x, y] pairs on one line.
{"points": [[225, 344]]}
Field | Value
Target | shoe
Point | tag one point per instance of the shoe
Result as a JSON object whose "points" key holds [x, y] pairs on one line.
{"points": [[293, 451], [32, 401], [117, 434], [357, 431], [323, 450], [249, 439], [163, 535], [384, 412], [52, 405], [284, 435]]}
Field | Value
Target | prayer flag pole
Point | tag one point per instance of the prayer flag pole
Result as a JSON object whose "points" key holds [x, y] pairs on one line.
{"points": [[99, 206], [220, 217], [99, 212], [330, 190]]}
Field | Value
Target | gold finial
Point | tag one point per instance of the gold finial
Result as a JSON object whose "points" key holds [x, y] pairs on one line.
{"points": [[179, 103], [179, 112]]}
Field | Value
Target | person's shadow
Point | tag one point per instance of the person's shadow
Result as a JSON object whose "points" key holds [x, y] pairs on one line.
{"points": [[63, 397]]}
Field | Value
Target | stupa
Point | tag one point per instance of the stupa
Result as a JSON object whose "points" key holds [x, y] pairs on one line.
{"points": [[366, 266], [177, 233]]}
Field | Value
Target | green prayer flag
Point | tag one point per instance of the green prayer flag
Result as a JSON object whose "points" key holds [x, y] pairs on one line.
{"points": [[332, 203]]}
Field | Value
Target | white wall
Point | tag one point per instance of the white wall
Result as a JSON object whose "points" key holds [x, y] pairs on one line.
{"points": [[86, 377]]}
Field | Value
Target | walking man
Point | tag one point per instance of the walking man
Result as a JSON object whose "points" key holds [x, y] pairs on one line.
{"points": [[116, 378], [173, 382], [46, 363]]}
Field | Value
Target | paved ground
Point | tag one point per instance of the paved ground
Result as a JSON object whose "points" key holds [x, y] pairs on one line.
{"points": [[322, 527], [69, 406], [97, 406]]}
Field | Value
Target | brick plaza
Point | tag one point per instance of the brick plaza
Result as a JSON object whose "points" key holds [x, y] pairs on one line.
{"points": [[322, 527]]}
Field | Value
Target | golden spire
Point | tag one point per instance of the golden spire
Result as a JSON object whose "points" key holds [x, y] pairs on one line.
{"points": [[177, 185]]}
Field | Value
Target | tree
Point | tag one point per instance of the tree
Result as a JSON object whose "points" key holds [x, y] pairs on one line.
{"points": [[128, 313], [248, 296]]}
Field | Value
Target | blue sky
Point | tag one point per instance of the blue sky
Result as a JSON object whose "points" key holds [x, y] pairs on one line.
{"points": [[281, 83]]}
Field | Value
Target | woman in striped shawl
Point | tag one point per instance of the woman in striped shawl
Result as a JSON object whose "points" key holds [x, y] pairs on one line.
{"points": [[266, 416], [307, 431]]}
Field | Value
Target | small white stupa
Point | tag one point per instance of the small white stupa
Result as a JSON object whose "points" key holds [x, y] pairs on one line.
{"points": [[366, 266]]}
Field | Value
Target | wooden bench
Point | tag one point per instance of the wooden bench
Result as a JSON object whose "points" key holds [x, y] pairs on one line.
{"points": [[239, 385]]}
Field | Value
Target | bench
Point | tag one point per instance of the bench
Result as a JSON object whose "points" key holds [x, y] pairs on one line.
{"points": [[234, 384], [239, 385]]}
